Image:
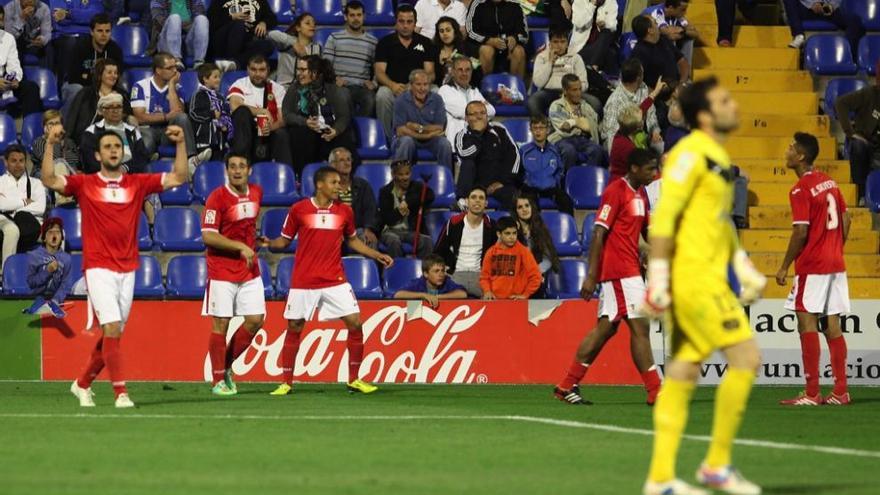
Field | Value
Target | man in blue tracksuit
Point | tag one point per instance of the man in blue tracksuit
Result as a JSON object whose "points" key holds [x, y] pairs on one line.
{"points": [[544, 168], [49, 270]]}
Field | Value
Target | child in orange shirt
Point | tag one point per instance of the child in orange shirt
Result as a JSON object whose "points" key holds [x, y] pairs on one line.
{"points": [[509, 268]]}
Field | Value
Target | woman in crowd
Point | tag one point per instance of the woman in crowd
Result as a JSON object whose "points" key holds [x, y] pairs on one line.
{"points": [[630, 135], [451, 43], [297, 42], [534, 233], [84, 109]]}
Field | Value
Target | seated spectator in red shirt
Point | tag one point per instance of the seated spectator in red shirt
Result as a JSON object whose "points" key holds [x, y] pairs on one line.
{"points": [[433, 285]]}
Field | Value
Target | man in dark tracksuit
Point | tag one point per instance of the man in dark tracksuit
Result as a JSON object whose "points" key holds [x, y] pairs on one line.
{"points": [[497, 29]]}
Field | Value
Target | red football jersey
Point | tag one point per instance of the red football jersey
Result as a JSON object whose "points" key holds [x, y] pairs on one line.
{"points": [[816, 201], [319, 252], [110, 213], [233, 216], [624, 212]]}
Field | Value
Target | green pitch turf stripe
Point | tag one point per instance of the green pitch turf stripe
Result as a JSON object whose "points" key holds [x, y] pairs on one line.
{"points": [[526, 419]]}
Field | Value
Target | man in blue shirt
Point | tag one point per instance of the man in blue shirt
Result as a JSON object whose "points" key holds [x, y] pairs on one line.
{"points": [[670, 18], [544, 168], [420, 122], [49, 270], [433, 285]]}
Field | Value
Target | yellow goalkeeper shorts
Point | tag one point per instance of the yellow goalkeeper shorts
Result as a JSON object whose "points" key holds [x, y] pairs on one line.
{"points": [[705, 318]]}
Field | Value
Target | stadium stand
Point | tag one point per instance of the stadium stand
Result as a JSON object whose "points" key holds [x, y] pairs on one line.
{"points": [[566, 284], [176, 196], [585, 185], [48, 84], [31, 129], [372, 142], [178, 229], [133, 39], [148, 278], [838, 87], [278, 182], [363, 275], [72, 219], [7, 131], [440, 181], [829, 55], [376, 174], [282, 275], [402, 272], [271, 224], [145, 242], [186, 276], [207, 177], [15, 271]]}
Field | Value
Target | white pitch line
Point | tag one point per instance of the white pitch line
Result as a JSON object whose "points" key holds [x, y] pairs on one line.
{"points": [[525, 419]]}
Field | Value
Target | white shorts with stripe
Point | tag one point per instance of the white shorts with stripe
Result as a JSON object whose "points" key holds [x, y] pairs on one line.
{"points": [[330, 303], [109, 295], [621, 298], [225, 299], [821, 294]]}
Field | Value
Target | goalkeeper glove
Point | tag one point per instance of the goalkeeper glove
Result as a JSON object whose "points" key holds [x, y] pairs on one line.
{"points": [[751, 281], [657, 297]]}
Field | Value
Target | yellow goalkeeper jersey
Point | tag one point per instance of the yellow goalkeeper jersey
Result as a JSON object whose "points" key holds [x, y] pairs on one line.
{"points": [[696, 197]]}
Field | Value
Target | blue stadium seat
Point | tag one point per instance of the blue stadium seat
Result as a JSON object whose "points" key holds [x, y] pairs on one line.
{"points": [[307, 180], [538, 40], [178, 229], [132, 75], [228, 79], [31, 129], [7, 131], [48, 85], [76, 270], [872, 191], [380, 33], [266, 275], [585, 184], [363, 275], [15, 276], [176, 196], [145, 242], [869, 53], [278, 182], [189, 83], [321, 34], [282, 275], [537, 21], [207, 177], [402, 272], [148, 278], [837, 88], [187, 275], [378, 13], [866, 10], [72, 219], [372, 143], [496, 215], [829, 54], [133, 39], [435, 221], [587, 231], [282, 11], [270, 226], [567, 283], [441, 182], [519, 130], [563, 231], [376, 174], [489, 87], [326, 12]]}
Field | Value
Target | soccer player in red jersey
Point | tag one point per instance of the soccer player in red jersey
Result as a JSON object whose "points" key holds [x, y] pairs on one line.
{"points": [[111, 202], [820, 228], [235, 288], [318, 283], [614, 262]]}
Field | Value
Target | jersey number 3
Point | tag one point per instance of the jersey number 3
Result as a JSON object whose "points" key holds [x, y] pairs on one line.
{"points": [[833, 218]]}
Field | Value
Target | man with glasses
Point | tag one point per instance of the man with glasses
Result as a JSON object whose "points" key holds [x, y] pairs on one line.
{"points": [[134, 151]]}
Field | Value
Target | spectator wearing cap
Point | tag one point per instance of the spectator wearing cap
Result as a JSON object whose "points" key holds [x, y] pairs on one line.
{"points": [[50, 274], [134, 152], [22, 204], [84, 108]]}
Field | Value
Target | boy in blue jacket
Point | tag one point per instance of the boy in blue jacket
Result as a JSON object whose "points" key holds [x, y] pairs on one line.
{"points": [[49, 270], [544, 168]]}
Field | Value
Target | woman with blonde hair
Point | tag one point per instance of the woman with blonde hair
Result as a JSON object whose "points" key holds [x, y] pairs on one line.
{"points": [[630, 135]]}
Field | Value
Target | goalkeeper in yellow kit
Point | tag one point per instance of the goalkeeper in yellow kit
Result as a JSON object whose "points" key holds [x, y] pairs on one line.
{"points": [[693, 242]]}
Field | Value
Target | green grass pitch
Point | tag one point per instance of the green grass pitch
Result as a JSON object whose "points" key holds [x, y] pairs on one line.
{"points": [[405, 439]]}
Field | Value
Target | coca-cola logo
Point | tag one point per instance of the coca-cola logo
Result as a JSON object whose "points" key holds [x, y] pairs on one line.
{"points": [[387, 360]]}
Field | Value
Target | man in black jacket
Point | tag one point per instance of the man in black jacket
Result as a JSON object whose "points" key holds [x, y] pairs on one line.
{"points": [[87, 51], [498, 29], [399, 202], [357, 193], [239, 28], [488, 158], [464, 241]]}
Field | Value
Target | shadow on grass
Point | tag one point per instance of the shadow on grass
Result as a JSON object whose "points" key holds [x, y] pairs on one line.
{"points": [[817, 488]]}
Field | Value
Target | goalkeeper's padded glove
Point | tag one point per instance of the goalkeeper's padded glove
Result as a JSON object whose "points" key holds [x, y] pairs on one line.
{"points": [[751, 281], [657, 298]]}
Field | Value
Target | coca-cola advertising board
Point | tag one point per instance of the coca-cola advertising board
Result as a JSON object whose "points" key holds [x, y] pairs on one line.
{"points": [[405, 342]]}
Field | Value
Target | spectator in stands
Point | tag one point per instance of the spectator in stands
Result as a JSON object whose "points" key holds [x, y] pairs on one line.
{"points": [[352, 52], [297, 42], [798, 11], [594, 31], [397, 55], [210, 114], [66, 153], [553, 62], [659, 57], [576, 126], [434, 285], [84, 108], [73, 18], [678, 127], [400, 205], [16, 94], [535, 233], [670, 18], [135, 155], [88, 50], [172, 19], [632, 91], [259, 130], [22, 204], [457, 93], [862, 131], [420, 122], [726, 13], [451, 45], [509, 269], [428, 12], [50, 274], [544, 168], [30, 23], [630, 135], [498, 28], [155, 103], [559, 12], [239, 29], [317, 113], [357, 193], [465, 239], [489, 158]]}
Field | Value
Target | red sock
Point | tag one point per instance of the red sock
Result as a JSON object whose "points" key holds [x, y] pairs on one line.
{"points": [[288, 356], [837, 347], [96, 364], [575, 374], [355, 346], [241, 340], [217, 351], [113, 360], [651, 379], [810, 353]]}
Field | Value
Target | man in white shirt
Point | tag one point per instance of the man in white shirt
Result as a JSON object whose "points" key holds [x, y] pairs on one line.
{"points": [[22, 204], [12, 84], [457, 93], [428, 12], [464, 241], [255, 101], [551, 64]]}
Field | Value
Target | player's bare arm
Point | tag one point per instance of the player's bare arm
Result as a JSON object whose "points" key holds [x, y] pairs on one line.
{"points": [[54, 135], [223, 243], [597, 245], [278, 243], [179, 171], [359, 247], [796, 244]]}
